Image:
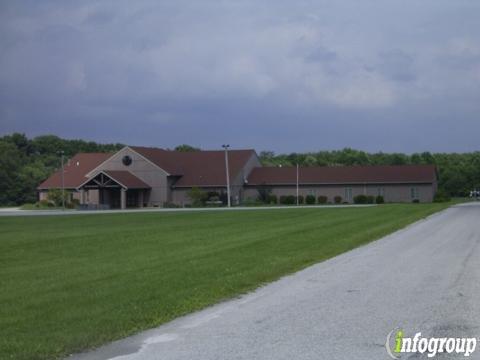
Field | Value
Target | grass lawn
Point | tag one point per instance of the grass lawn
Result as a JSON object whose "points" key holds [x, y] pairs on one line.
{"points": [[73, 282]]}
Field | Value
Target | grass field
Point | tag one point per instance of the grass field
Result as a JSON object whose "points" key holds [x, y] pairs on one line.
{"points": [[73, 282]]}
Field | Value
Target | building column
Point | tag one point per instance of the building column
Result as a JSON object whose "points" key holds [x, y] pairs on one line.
{"points": [[140, 198], [82, 196], [123, 198]]}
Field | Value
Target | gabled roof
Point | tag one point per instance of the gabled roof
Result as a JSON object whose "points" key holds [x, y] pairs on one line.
{"points": [[343, 175], [197, 168], [75, 170], [126, 179], [113, 178]]}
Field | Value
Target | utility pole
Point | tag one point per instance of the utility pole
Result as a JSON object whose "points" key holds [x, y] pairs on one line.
{"points": [[63, 181], [297, 185], [226, 146]]}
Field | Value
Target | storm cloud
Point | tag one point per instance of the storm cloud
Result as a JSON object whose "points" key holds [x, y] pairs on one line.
{"points": [[279, 75]]}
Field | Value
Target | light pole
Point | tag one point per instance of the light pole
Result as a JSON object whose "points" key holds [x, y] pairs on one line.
{"points": [[63, 181], [226, 146], [297, 184]]}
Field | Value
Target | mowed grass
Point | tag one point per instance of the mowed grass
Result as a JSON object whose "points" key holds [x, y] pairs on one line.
{"points": [[69, 283]]}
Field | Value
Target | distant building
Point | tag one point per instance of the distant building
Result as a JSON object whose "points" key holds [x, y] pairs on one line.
{"points": [[141, 176]]}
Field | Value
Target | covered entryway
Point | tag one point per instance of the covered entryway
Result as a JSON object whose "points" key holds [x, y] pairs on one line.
{"points": [[116, 190]]}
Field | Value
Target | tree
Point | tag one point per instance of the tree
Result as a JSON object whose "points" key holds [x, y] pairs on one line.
{"points": [[10, 165], [186, 148], [25, 163]]}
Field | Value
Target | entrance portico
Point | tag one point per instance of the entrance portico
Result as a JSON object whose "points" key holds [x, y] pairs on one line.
{"points": [[115, 189]]}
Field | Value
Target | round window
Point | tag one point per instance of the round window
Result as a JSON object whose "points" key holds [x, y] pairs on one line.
{"points": [[127, 160]]}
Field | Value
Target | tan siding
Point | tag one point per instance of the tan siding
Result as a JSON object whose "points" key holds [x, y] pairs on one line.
{"points": [[146, 171], [392, 193]]}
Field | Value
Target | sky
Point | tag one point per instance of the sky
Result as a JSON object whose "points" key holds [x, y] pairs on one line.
{"points": [[286, 76]]}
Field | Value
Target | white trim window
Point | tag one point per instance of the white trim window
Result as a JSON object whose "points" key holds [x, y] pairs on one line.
{"points": [[414, 193], [381, 191], [348, 194]]}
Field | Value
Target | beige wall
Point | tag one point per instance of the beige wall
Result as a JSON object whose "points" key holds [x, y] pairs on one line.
{"points": [[145, 170], [391, 193]]}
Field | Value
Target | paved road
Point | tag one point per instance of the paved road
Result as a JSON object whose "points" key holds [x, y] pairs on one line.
{"points": [[19, 212], [423, 278]]}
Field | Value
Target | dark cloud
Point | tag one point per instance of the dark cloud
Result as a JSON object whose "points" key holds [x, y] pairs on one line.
{"points": [[271, 75]]}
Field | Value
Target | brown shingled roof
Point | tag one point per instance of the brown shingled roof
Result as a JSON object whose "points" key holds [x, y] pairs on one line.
{"points": [[75, 170], [197, 168], [343, 174], [127, 179]]}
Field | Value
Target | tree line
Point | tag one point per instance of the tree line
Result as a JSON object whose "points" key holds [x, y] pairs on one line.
{"points": [[25, 163]]}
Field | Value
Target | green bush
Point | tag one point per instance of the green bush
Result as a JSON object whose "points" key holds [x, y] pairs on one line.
{"points": [[264, 193], [272, 199], [250, 201], [44, 204], [379, 199], [310, 200], [415, 201], [287, 199], [360, 199], [213, 194], [337, 199], [300, 199], [441, 196], [370, 199], [322, 199], [197, 196], [56, 196]]}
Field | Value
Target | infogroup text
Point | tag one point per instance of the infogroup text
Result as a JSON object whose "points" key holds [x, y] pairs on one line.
{"points": [[431, 346]]}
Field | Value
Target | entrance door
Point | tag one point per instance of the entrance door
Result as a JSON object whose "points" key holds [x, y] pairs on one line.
{"points": [[115, 198], [132, 198]]}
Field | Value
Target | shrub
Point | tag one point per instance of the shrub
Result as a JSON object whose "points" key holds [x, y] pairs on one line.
{"points": [[213, 194], [370, 199], [337, 199], [360, 199], [56, 196], [223, 197], [379, 199], [441, 196], [287, 199], [272, 199], [322, 199], [415, 201], [45, 203], [197, 196], [310, 200], [300, 199], [264, 193]]}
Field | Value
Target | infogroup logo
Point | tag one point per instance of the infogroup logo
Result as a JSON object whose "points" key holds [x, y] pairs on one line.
{"points": [[397, 344]]}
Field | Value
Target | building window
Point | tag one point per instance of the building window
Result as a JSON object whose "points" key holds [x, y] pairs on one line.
{"points": [[348, 194], [381, 191], [126, 160], [414, 193]]}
